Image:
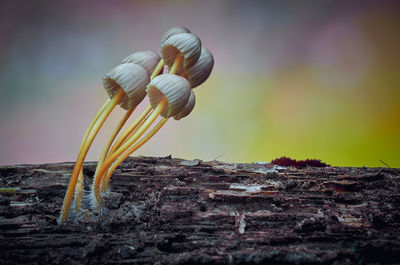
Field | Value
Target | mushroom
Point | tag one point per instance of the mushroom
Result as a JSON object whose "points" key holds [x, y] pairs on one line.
{"points": [[178, 50], [198, 74], [125, 85], [173, 31], [184, 44], [201, 70], [168, 94], [148, 59], [152, 63], [131, 78], [188, 107]]}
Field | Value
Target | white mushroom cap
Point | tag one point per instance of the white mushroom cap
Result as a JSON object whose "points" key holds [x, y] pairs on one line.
{"points": [[201, 70], [187, 44], [147, 59], [188, 107], [174, 88], [173, 31], [132, 78]]}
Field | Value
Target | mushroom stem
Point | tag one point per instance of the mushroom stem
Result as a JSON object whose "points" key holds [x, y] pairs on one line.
{"points": [[80, 184], [124, 147], [133, 149], [134, 131], [102, 185], [109, 106], [112, 138], [121, 139], [178, 61], [158, 69], [131, 128], [92, 123]]}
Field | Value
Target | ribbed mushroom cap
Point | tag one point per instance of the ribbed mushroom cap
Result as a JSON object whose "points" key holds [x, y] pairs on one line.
{"points": [[187, 44], [132, 78], [188, 107], [147, 59], [201, 70], [173, 31], [176, 90]]}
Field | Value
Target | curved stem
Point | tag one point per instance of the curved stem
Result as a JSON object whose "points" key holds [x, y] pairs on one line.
{"points": [[85, 148], [177, 63], [102, 184], [112, 138], [134, 148], [158, 69], [132, 127], [80, 182], [121, 140], [92, 123], [134, 131]]}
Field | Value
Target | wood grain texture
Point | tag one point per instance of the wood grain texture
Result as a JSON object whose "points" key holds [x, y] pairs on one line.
{"points": [[173, 211]]}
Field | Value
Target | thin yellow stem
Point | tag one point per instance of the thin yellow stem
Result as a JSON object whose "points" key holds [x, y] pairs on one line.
{"points": [[134, 148], [112, 138], [132, 127], [134, 131], [79, 163], [125, 146], [102, 185], [158, 69], [92, 123], [80, 183], [122, 139], [177, 63]]}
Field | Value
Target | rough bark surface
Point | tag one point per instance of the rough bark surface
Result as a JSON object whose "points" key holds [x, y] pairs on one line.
{"points": [[173, 211]]}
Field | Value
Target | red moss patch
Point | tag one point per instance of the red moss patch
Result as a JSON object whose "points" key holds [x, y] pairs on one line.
{"points": [[288, 162]]}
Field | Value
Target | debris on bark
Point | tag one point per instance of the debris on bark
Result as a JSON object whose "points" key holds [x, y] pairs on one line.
{"points": [[173, 211]]}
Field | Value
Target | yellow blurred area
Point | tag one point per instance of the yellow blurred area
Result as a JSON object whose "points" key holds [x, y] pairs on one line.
{"points": [[293, 115]]}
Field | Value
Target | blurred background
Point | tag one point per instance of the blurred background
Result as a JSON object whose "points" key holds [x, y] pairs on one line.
{"points": [[311, 79]]}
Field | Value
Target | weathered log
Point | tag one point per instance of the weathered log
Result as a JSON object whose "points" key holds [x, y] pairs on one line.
{"points": [[173, 211]]}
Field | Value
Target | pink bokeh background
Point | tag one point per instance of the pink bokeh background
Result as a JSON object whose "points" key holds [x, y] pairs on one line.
{"points": [[316, 79]]}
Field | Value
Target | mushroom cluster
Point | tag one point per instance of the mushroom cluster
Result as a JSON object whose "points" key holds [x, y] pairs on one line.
{"points": [[170, 95]]}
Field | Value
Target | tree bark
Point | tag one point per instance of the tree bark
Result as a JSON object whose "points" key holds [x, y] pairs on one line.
{"points": [[173, 211]]}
